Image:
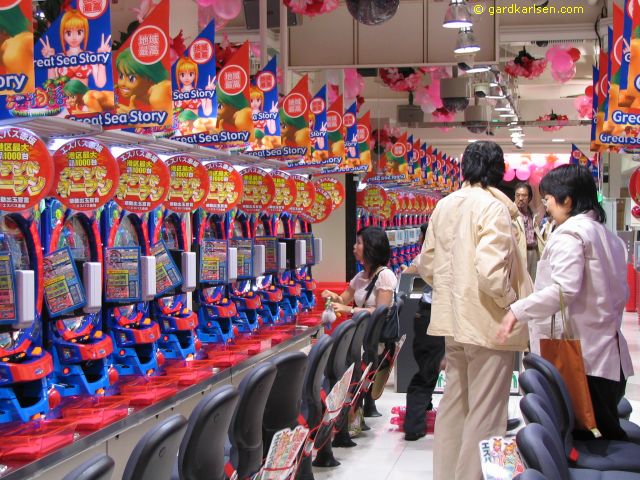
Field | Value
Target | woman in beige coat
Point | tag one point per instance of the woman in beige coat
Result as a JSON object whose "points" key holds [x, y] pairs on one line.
{"points": [[471, 259]]}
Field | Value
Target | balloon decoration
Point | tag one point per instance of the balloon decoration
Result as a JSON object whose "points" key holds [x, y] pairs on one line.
{"points": [[525, 65], [311, 8], [401, 79], [563, 62], [223, 11], [353, 83], [372, 12], [429, 97], [531, 167], [584, 103], [634, 186], [561, 121]]}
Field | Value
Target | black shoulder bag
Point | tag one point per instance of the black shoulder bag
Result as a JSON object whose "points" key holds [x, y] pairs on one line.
{"points": [[391, 329]]}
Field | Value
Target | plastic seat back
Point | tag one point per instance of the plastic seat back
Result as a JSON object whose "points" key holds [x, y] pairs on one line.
{"points": [[99, 467], [313, 378], [532, 381], [283, 405], [372, 335], [154, 456], [354, 355], [536, 409], [542, 451], [202, 454], [337, 364], [245, 432]]}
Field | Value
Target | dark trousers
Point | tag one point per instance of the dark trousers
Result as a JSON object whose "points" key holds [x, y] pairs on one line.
{"points": [[428, 352], [605, 396]]}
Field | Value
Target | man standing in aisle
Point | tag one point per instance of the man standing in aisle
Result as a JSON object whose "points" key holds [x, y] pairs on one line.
{"points": [[471, 259], [527, 229]]}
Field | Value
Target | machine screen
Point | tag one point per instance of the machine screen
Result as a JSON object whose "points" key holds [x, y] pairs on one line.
{"points": [[9, 340], [308, 238], [271, 253], [75, 236], [73, 323], [12, 240]]}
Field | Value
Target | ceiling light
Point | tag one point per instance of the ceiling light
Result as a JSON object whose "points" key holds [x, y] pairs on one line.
{"points": [[457, 15], [502, 106], [466, 41], [508, 115], [472, 140], [558, 140], [476, 68], [516, 129]]}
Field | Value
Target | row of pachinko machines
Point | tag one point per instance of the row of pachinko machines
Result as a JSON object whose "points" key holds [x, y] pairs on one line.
{"points": [[124, 275]]}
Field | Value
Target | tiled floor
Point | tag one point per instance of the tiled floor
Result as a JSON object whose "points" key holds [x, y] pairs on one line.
{"points": [[383, 454]]}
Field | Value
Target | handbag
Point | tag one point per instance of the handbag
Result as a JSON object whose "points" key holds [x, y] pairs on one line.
{"points": [[391, 328], [566, 354]]}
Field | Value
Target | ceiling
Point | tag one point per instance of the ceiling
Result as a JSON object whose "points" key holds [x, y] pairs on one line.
{"points": [[415, 36]]}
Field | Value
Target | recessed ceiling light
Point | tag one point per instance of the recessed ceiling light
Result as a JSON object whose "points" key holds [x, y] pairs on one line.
{"points": [[558, 140], [472, 140], [508, 115]]}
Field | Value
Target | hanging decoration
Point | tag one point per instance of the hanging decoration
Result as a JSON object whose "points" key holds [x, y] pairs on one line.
{"points": [[372, 12], [563, 62], [311, 8], [584, 106], [525, 65], [222, 11], [443, 115], [561, 121], [401, 79], [353, 83]]}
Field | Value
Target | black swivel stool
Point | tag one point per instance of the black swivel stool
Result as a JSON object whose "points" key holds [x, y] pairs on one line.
{"points": [[283, 405], [99, 467], [312, 407], [245, 432], [336, 367], [155, 454], [202, 451]]}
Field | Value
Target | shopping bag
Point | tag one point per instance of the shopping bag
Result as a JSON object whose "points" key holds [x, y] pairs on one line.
{"points": [[566, 354]]}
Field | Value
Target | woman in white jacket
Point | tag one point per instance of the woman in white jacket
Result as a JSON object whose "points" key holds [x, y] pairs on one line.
{"points": [[588, 262]]}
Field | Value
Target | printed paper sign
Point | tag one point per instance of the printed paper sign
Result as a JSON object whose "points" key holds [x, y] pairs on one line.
{"points": [[26, 169], [189, 186], [373, 199], [294, 120], [225, 187], [213, 261], [500, 459], [8, 312], [364, 135], [16, 48], [122, 274], [283, 453], [168, 276], [63, 290], [74, 76], [336, 397], [305, 195], [258, 190], [144, 181], [86, 174], [320, 210], [141, 69], [195, 102], [335, 129], [351, 144], [264, 109], [333, 187], [284, 192]]}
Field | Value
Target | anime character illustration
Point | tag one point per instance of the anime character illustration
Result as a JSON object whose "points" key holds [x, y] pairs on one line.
{"points": [[141, 87], [74, 35], [187, 79], [295, 131], [234, 113], [16, 45], [79, 99]]}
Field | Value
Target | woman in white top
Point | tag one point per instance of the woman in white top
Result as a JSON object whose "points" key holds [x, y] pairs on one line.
{"points": [[588, 262], [373, 251]]}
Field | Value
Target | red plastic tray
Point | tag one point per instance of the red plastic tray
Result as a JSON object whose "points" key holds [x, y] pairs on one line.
{"points": [[147, 391], [186, 376], [226, 360], [95, 413], [37, 440]]}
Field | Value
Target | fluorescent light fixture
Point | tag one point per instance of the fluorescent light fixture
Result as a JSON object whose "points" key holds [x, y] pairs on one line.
{"points": [[558, 140], [515, 129], [508, 115], [478, 69], [496, 93], [457, 15], [466, 42], [472, 140]]}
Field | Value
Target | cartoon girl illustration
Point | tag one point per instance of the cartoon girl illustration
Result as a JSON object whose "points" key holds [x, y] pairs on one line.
{"points": [[234, 113], [141, 87], [187, 79], [74, 35], [268, 127], [16, 45]]}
